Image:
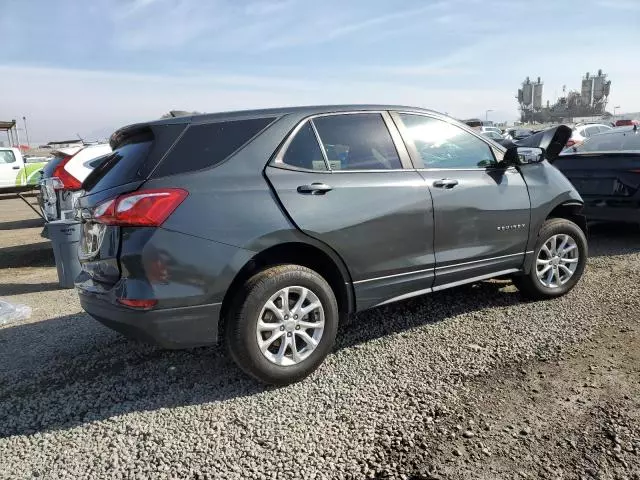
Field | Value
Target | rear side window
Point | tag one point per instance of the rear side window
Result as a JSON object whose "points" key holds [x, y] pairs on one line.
{"points": [[206, 145], [359, 141], [304, 150]]}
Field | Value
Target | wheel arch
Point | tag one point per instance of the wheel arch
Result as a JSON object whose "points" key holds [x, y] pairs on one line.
{"points": [[569, 210], [328, 265]]}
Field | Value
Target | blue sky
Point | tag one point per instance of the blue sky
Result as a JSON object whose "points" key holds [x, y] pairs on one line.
{"points": [[72, 66]]}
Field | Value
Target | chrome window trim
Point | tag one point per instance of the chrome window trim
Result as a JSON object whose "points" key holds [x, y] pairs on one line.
{"points": [[393, 276], [278, 158], [507, 170]]}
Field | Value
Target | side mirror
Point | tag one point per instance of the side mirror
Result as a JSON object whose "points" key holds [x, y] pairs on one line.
{"points": [[515, 156]]}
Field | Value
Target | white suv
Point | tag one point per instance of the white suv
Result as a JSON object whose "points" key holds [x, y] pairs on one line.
{"points": [[586, 130], [62, 187]]}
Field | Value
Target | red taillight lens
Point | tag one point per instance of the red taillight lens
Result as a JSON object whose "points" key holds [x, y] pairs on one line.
{"points": [[66, 181], [146, 208], [140, 304], [571, 143]]}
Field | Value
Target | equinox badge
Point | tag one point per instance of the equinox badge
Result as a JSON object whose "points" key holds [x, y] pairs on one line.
{"points": [[518, 226]]}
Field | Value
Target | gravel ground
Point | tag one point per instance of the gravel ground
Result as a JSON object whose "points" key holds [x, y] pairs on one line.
{"points": [[437, 387]]}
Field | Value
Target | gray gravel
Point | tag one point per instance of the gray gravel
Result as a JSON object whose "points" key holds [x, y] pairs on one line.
{"points": [[79, 401]]}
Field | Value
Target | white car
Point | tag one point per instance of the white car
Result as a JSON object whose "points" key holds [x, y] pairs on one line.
{"points": [[586, 130], [484, 129], [18, 172], [493, 135], [61, 186]]}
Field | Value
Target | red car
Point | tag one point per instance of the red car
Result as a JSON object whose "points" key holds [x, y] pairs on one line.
{"points": [[626, 123]]}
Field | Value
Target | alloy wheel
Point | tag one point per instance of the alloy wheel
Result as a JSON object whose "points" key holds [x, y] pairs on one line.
{"points": [[290, 325], [557, 260]]}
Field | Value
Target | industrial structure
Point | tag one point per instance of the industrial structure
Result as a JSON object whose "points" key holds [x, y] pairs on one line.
{"points": [[590, 101]]}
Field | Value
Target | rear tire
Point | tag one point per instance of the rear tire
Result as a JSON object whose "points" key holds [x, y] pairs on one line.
{"points": [[559, 260], [264, 338]]}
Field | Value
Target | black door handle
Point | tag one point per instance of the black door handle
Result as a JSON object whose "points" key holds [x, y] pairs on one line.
{"points": [[445, 183], [16, 168], [315, 188]]}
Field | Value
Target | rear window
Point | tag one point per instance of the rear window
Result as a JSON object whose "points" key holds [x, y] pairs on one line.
{"points": [[122, 165], [206, 145]]}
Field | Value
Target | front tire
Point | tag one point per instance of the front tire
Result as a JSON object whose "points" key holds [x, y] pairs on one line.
{"points": [[559, 260], [283, 325]]}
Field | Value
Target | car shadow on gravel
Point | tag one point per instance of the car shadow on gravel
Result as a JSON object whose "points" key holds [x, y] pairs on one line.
{"points": [[21, 288], [68, 371], [31, 255], [20, 224], [82, 372], [606, 239]]}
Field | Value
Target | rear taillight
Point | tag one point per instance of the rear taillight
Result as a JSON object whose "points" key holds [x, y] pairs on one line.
{"points": [[63, 180], [139, 304], [571, 143], [146, 208]]}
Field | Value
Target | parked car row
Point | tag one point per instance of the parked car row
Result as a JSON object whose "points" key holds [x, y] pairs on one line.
{"points": [[605, 169]]}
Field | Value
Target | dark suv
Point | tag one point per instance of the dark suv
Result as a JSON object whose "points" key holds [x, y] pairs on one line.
{"points": [[266, 228]]}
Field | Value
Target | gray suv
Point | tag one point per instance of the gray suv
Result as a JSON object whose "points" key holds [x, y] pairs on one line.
{"points": [[267, 228]]}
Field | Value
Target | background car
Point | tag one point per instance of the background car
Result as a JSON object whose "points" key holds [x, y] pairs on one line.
{"points": [[605, 169], [518, 133], [493, 135], [62, 179], [18, 171], [626, 123], [582, 131]]}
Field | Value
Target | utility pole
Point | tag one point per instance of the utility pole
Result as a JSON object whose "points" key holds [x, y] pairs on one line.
{"points": [[26, 131], [614, 111], [17, 135], [486, 114]]}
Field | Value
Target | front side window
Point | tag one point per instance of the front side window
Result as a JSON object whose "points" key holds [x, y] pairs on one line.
{"points": [[359, 141], [304, 150], [7, 156], [443, 145]]}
